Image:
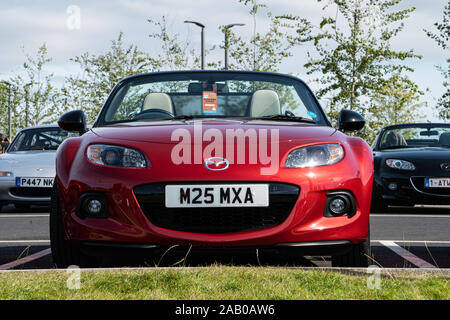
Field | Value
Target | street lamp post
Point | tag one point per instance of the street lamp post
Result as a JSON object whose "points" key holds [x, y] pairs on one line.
{"points": [[202, 41], [227, 28]]}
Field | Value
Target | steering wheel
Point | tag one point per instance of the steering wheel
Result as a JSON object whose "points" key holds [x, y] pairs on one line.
{"points": [[153, 113]]}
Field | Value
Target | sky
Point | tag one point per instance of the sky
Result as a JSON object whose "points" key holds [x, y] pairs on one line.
{"points": [[25, 25]]}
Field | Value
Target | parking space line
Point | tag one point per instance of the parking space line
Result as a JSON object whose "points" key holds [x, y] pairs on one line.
{"points": [[405, 254], [381, 215], [416, 241], [26, 259], [24, 241], [28, 215]]}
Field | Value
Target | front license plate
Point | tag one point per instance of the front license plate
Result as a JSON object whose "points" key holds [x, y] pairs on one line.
{"points": [[230, 195], [437, 182], [34, 182]]}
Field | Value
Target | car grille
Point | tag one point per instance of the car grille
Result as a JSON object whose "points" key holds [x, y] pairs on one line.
{"points": [[419, 184], [282, 198], [31, 192]]}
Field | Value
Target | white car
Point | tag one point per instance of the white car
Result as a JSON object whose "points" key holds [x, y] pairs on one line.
{"points": [[27, 169]]}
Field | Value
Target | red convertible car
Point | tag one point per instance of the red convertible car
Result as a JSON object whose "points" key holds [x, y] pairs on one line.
{"points": [[217, 159]]}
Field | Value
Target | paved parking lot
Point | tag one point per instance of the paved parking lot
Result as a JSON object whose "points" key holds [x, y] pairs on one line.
{"points": [[405, 238]]}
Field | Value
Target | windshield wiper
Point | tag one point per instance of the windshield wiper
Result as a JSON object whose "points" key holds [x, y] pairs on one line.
{"points": [[281, 117], [182, 117]]}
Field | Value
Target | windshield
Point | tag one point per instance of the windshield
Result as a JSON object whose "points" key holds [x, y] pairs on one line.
{"points": [[39, 139], [416, 136], [211, 95]]}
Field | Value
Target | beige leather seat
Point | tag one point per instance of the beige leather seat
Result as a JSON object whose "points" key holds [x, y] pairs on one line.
{"points": [[265, 103], [158, 100]]}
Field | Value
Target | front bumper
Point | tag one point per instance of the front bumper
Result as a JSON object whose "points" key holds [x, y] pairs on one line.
{"points": [[217, 220], [10, 193], [410, 191], [128, 223]]}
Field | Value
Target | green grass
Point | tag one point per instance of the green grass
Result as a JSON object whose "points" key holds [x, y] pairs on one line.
{"points": [[218, 282]]}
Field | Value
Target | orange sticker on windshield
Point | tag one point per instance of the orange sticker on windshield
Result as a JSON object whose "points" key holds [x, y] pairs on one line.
{"points": [[209, 102]]}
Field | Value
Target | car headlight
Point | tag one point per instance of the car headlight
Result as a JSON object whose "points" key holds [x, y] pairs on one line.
{"points": [[400, 164], [315, 156], [115, 156]]}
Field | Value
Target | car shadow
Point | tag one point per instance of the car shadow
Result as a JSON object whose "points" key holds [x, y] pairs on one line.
{"points": [[435, 210], [185, 257], [29, 209]]}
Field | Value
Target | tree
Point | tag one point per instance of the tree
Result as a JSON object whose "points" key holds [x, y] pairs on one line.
{"points": [[442, 37], [397, 101], [30, 94], [266, 51], [175, 54], [353, 56], [100, 73], [5, 91]]}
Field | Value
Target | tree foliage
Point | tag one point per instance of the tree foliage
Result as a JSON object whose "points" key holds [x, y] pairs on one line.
{"points": [[31, 94], [443, 29], [353, 58], [174, 53], [397, 101], [266, 51], [100, 73], [441, 38], [7, 94]]}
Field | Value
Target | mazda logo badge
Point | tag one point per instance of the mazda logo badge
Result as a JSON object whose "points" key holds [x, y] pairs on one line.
{"points": [[216, 163], [445, 166]]}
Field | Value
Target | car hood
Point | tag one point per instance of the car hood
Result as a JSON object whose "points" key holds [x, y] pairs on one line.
{"points": [[19, 160], [161, 131], [426, 153]]}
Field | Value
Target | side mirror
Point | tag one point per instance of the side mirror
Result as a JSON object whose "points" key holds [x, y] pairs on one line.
{"points": [[350, 121], [73, 121]]}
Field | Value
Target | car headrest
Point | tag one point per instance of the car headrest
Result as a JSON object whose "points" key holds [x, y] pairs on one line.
{"points": [[39, 143], [394, 139], [158, 100], [264, 103], [444, 139]]}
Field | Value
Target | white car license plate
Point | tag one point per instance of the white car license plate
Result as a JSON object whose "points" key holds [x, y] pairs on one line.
{"points": [[34, 182], [437, 182], [217, 195]]}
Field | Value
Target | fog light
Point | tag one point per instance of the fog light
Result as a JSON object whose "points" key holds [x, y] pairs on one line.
{"points": [[392, 186], [340, 203], [94, 207], [338, 206]]}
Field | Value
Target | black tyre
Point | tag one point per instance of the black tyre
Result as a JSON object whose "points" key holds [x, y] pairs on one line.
{"points": [[1, 207], [377, 205], [64, 253], [359, 255]]}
